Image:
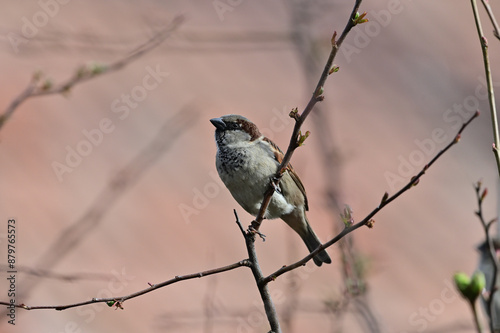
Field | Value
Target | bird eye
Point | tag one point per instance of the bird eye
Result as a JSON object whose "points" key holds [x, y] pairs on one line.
{"points": [[234, 126]]}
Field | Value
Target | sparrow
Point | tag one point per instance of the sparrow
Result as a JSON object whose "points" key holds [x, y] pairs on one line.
{"points": [[246, 162]]}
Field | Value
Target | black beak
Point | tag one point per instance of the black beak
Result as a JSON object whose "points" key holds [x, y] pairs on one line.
{"points": [[218, 123]]}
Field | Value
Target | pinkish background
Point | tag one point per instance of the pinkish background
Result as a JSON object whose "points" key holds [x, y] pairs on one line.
{"points": [[405, 76]]}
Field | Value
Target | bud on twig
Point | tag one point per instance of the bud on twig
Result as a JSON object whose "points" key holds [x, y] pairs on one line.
{"points": [[484, 41], [484, 194], [360, 18], [470, 288], [319, 92], [46, 85], [294, 114], [97, 68], [302, 138], [334, 69]]}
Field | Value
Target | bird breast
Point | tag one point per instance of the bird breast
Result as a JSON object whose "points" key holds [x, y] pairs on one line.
{"points": [[246, 169]]}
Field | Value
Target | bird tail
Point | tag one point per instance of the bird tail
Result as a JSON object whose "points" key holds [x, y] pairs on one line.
{"points": [[300, 224], [312, 243]]}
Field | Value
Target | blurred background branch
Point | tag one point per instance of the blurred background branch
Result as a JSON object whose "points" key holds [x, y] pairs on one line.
{"points": [[41, 86], [69, 239]]}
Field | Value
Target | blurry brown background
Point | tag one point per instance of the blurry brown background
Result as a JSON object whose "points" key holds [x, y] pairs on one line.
{"points": [[402, 78]]}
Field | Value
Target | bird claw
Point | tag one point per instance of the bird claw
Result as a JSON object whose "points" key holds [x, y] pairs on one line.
{"points": [[275, 184], [253, 231]]}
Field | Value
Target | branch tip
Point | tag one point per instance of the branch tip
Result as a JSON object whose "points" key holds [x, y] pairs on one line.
{"points": [[359, 18], [384, 198], [239, 223], [294, 114]]}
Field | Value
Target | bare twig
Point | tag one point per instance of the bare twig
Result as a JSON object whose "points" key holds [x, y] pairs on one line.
{"points": [[272, 315], [477, 323], [201, 41], [489, 81], [496, 28], [36, 88], [118, 301], [386, 199], [297, 138]]}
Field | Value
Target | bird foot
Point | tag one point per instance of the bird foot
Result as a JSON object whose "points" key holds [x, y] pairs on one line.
{"points": [[275, 184], [254, 231]]}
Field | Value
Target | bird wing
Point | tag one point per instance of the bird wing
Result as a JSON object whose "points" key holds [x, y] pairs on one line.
{"points": [[278, 155]]}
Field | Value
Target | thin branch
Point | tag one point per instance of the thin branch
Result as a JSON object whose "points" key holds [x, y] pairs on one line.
{"points": [[118, 301], [272, 314], [297, 138], [84, 73], [489, 81], [477, 323], [368, 219], [496, 28]]}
